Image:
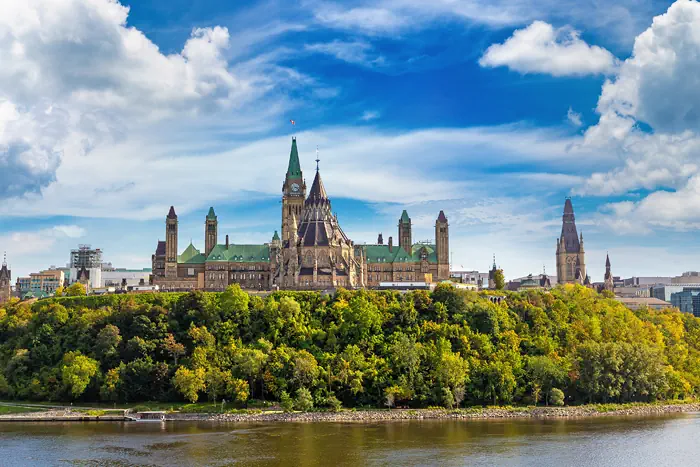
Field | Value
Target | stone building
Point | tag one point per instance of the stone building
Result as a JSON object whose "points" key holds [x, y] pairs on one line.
{"points": [[609, 283], [5, 281], [571, 262], [313, 252]]}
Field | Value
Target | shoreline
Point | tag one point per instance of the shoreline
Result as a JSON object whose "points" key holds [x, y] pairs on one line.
{"points": [[375, 415]]}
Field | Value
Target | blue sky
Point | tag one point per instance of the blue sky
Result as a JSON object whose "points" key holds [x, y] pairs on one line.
{"points": [[492, 111]]}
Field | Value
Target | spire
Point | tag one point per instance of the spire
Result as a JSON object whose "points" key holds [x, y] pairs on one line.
{"points": [[171, 213], [318, 191], [211, 215], [569, 237], [275, 237], [607, 261], [317, 159], [404, 218], [441, 217], [294, 168], [494, 262], [4, 258]]}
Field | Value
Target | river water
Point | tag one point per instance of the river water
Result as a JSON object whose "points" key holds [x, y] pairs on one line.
{"points": [[606, 441]]}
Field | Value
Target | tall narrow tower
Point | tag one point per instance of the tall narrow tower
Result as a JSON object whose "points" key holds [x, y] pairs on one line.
{"points": [[609, 283], [171, 244], [293, 193], [211, 232], [405, 240], [442, 246], [571, 264], [5, 281]]}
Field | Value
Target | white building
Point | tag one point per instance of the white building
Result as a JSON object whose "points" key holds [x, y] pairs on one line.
{"points": [[117, 277]]}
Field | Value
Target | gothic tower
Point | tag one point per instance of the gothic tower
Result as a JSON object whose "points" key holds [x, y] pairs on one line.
{"points": [[442, 246], [211, 229], [405, 241], [293, 193], [492, 274], [5, 281], [609, 283], [571, 264], [171, 244]]}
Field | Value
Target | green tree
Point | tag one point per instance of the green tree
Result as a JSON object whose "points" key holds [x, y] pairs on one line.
{"points": [[303, 401], [76, 289], [217, 382], [544, 373], [77, 371], [286, 402], [499, 279], [189, 383], [174, 348], [556, 396]]}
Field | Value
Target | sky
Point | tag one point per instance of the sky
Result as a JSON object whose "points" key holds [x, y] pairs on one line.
{"points": [[493, 111]]}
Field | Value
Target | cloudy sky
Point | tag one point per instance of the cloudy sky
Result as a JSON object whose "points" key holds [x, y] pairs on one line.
{"points": [[493, 111]]}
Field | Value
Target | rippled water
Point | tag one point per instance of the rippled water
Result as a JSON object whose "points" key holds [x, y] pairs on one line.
{"points": [[672, 441]]}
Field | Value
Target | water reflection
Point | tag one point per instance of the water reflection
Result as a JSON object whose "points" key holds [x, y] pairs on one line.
{"points": [[596, 442]]}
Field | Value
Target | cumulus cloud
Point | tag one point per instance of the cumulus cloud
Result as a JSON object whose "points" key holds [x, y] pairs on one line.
{"points": [[540, 48]]}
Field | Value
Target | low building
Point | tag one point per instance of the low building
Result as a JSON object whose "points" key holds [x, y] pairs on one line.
{"points": [[45, 282], [641, 302], [480, 279], [632, 291], [122, 277]]}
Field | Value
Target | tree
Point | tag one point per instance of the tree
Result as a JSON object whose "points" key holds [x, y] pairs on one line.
{"points": [[174, 348], [75, 290], [556, 396], [111, 387], [60, 291], [544, 373], [238, 389], [303, 401], [217, 382], [189, 382], [107, 341], [286, 402], [234, 304], [77, 372], [499, 279]]}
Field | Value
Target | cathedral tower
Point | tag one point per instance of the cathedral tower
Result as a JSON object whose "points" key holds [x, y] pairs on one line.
{"points": [[405, 240], [5, 281], [442, 246], [571, 263], [609, 283], [211, 232], [171, 244], [293, 193]]}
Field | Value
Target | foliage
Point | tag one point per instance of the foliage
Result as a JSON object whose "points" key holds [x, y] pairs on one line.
{"points": [[450, 348], [74, 290], [303, 401], [556, 396], [499, 279]]}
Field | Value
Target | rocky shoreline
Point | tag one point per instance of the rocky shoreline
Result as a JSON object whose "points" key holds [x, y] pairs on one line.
{"points": [[370, 416], [377, 415]]}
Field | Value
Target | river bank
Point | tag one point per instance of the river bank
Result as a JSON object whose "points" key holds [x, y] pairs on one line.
{"points": [[376, 415]]}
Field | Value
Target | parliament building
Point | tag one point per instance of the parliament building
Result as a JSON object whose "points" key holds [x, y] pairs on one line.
{"points": [[312, 252]]}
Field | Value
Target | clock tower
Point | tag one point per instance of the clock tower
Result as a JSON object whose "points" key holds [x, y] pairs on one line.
{"points": [[293, 194]]}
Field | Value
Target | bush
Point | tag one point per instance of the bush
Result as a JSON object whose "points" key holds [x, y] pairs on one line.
{"points": [[334, 404], [286, 402], [556, 397], [304, 401]]}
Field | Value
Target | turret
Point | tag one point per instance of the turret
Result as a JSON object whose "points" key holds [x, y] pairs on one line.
{"points": [[442, 246], [293, 192], [171, 227], [405, 240]]}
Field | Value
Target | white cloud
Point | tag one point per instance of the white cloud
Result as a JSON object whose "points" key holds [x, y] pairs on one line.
{"points": [[539, 48], [20, 243], [368, 115], [356, 52], [574, 118]]}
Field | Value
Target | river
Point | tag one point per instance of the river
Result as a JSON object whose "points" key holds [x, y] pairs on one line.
{"points": [[604, 441]]}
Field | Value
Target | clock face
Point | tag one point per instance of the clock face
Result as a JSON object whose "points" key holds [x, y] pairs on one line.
{"points": [[295, 187]]}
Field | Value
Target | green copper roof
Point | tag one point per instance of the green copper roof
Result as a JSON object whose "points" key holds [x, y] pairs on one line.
{"points": [[211, 214], [275, 236], [381, 254], [404, 217], [294, 169], [191, 255], [240, 253]]}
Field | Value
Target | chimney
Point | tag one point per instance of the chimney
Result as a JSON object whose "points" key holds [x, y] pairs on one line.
{"points": [[227, 242], [380, 240], [391, 243]]}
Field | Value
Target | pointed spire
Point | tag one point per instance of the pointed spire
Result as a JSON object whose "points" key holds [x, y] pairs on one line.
{"points": [[404, 218], [607, 261], [171, 213], [441, 217], [211, 215], [568, 207], [318, 191], [275, 237], [494, 262], [294, 168], [4, 258], [317, 159]]}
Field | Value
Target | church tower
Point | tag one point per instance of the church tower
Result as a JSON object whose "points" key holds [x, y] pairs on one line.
{"points": [[571, 263], [405, 241], [293, 194], [609, 284], [211, 232], [442, 246], [171, 244], [5, 281], [492, 274]]}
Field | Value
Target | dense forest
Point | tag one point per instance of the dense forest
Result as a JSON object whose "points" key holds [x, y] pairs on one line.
{"points": [[354, 348]]}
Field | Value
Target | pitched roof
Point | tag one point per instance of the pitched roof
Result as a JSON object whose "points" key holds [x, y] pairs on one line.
{"points": [[318, 191], [171, 213], [191, 255], [294, 168], [404, 217], [160, 249], [381, 253], [276, 236], [210, 214], [441, 216], [240, 253]]}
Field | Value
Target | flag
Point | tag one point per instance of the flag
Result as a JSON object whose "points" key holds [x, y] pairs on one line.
{"points": [[292, 122]]}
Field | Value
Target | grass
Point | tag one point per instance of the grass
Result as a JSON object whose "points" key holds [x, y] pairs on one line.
{"points": [[9, 410]]}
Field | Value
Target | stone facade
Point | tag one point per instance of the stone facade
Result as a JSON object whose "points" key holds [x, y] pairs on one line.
{"points": [[609, 283], [571, 261], [313, 252], [5, 282]]}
